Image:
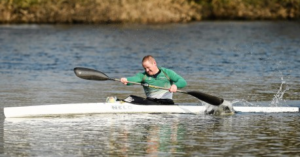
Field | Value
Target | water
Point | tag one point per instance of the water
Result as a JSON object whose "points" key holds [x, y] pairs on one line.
{"points": [[154, 135], [248, 63]]}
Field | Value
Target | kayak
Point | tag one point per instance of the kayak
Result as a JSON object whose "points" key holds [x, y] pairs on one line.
{"points": [[122, 107], [133, 104]]}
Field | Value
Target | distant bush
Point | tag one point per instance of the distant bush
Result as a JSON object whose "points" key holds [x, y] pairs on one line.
{"points": [[143, 11], [250, 9]]}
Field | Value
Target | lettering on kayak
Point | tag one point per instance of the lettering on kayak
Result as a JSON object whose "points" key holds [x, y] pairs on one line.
{"points": [[121, 107]]}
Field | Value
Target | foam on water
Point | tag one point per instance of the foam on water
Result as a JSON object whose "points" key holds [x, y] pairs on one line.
{"points": [[225, 108]]}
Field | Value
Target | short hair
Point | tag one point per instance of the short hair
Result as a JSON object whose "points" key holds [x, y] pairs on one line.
{"points": [[148, 58]]}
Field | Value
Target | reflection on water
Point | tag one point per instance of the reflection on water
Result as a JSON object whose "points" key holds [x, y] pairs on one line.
{"points": [[153, 134], [249, 63]]}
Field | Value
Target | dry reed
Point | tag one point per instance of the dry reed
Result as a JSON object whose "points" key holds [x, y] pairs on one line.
{"points": [[143, 11]]}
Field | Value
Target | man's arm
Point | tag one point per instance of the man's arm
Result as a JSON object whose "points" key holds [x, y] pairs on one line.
{"points": [[176, 79], [137, 78]]}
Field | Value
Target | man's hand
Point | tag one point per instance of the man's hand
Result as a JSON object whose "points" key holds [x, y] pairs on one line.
{"points": [[173, 88], [124, 80]]}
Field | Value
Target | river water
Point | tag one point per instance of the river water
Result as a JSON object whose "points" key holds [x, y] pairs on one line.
{"points": [[247, 63]]}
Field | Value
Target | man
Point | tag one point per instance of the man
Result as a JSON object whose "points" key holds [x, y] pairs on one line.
{"points": [[156, 76]]}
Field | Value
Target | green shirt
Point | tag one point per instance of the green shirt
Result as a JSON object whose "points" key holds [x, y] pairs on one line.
{"points": [[165, 78]]}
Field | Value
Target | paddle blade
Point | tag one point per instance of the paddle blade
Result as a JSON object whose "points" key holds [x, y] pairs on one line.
{"points": [[90, 74], [213, 100]]}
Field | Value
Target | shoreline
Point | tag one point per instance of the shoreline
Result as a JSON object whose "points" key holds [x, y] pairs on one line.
{"points": [[141, 24], [145, 11]]}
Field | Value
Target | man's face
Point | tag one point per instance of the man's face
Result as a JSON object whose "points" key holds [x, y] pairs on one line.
{"points": [[150, 67]]}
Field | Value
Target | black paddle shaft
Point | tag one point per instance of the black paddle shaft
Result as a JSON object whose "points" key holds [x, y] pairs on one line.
{"points": [[91, 74], [202, 96], [213, 100]]}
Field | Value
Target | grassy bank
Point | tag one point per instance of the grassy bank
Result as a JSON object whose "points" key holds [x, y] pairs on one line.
{"points": [[144, 11]]}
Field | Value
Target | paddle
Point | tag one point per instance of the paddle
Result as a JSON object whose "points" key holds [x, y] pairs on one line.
{"points": [[90, 74]]}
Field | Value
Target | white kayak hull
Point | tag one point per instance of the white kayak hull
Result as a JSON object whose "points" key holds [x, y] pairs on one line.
{"points": [[120, 107]]}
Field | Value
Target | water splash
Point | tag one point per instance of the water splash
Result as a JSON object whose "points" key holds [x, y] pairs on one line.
{"points": [[277, 100], [278, 97]]}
